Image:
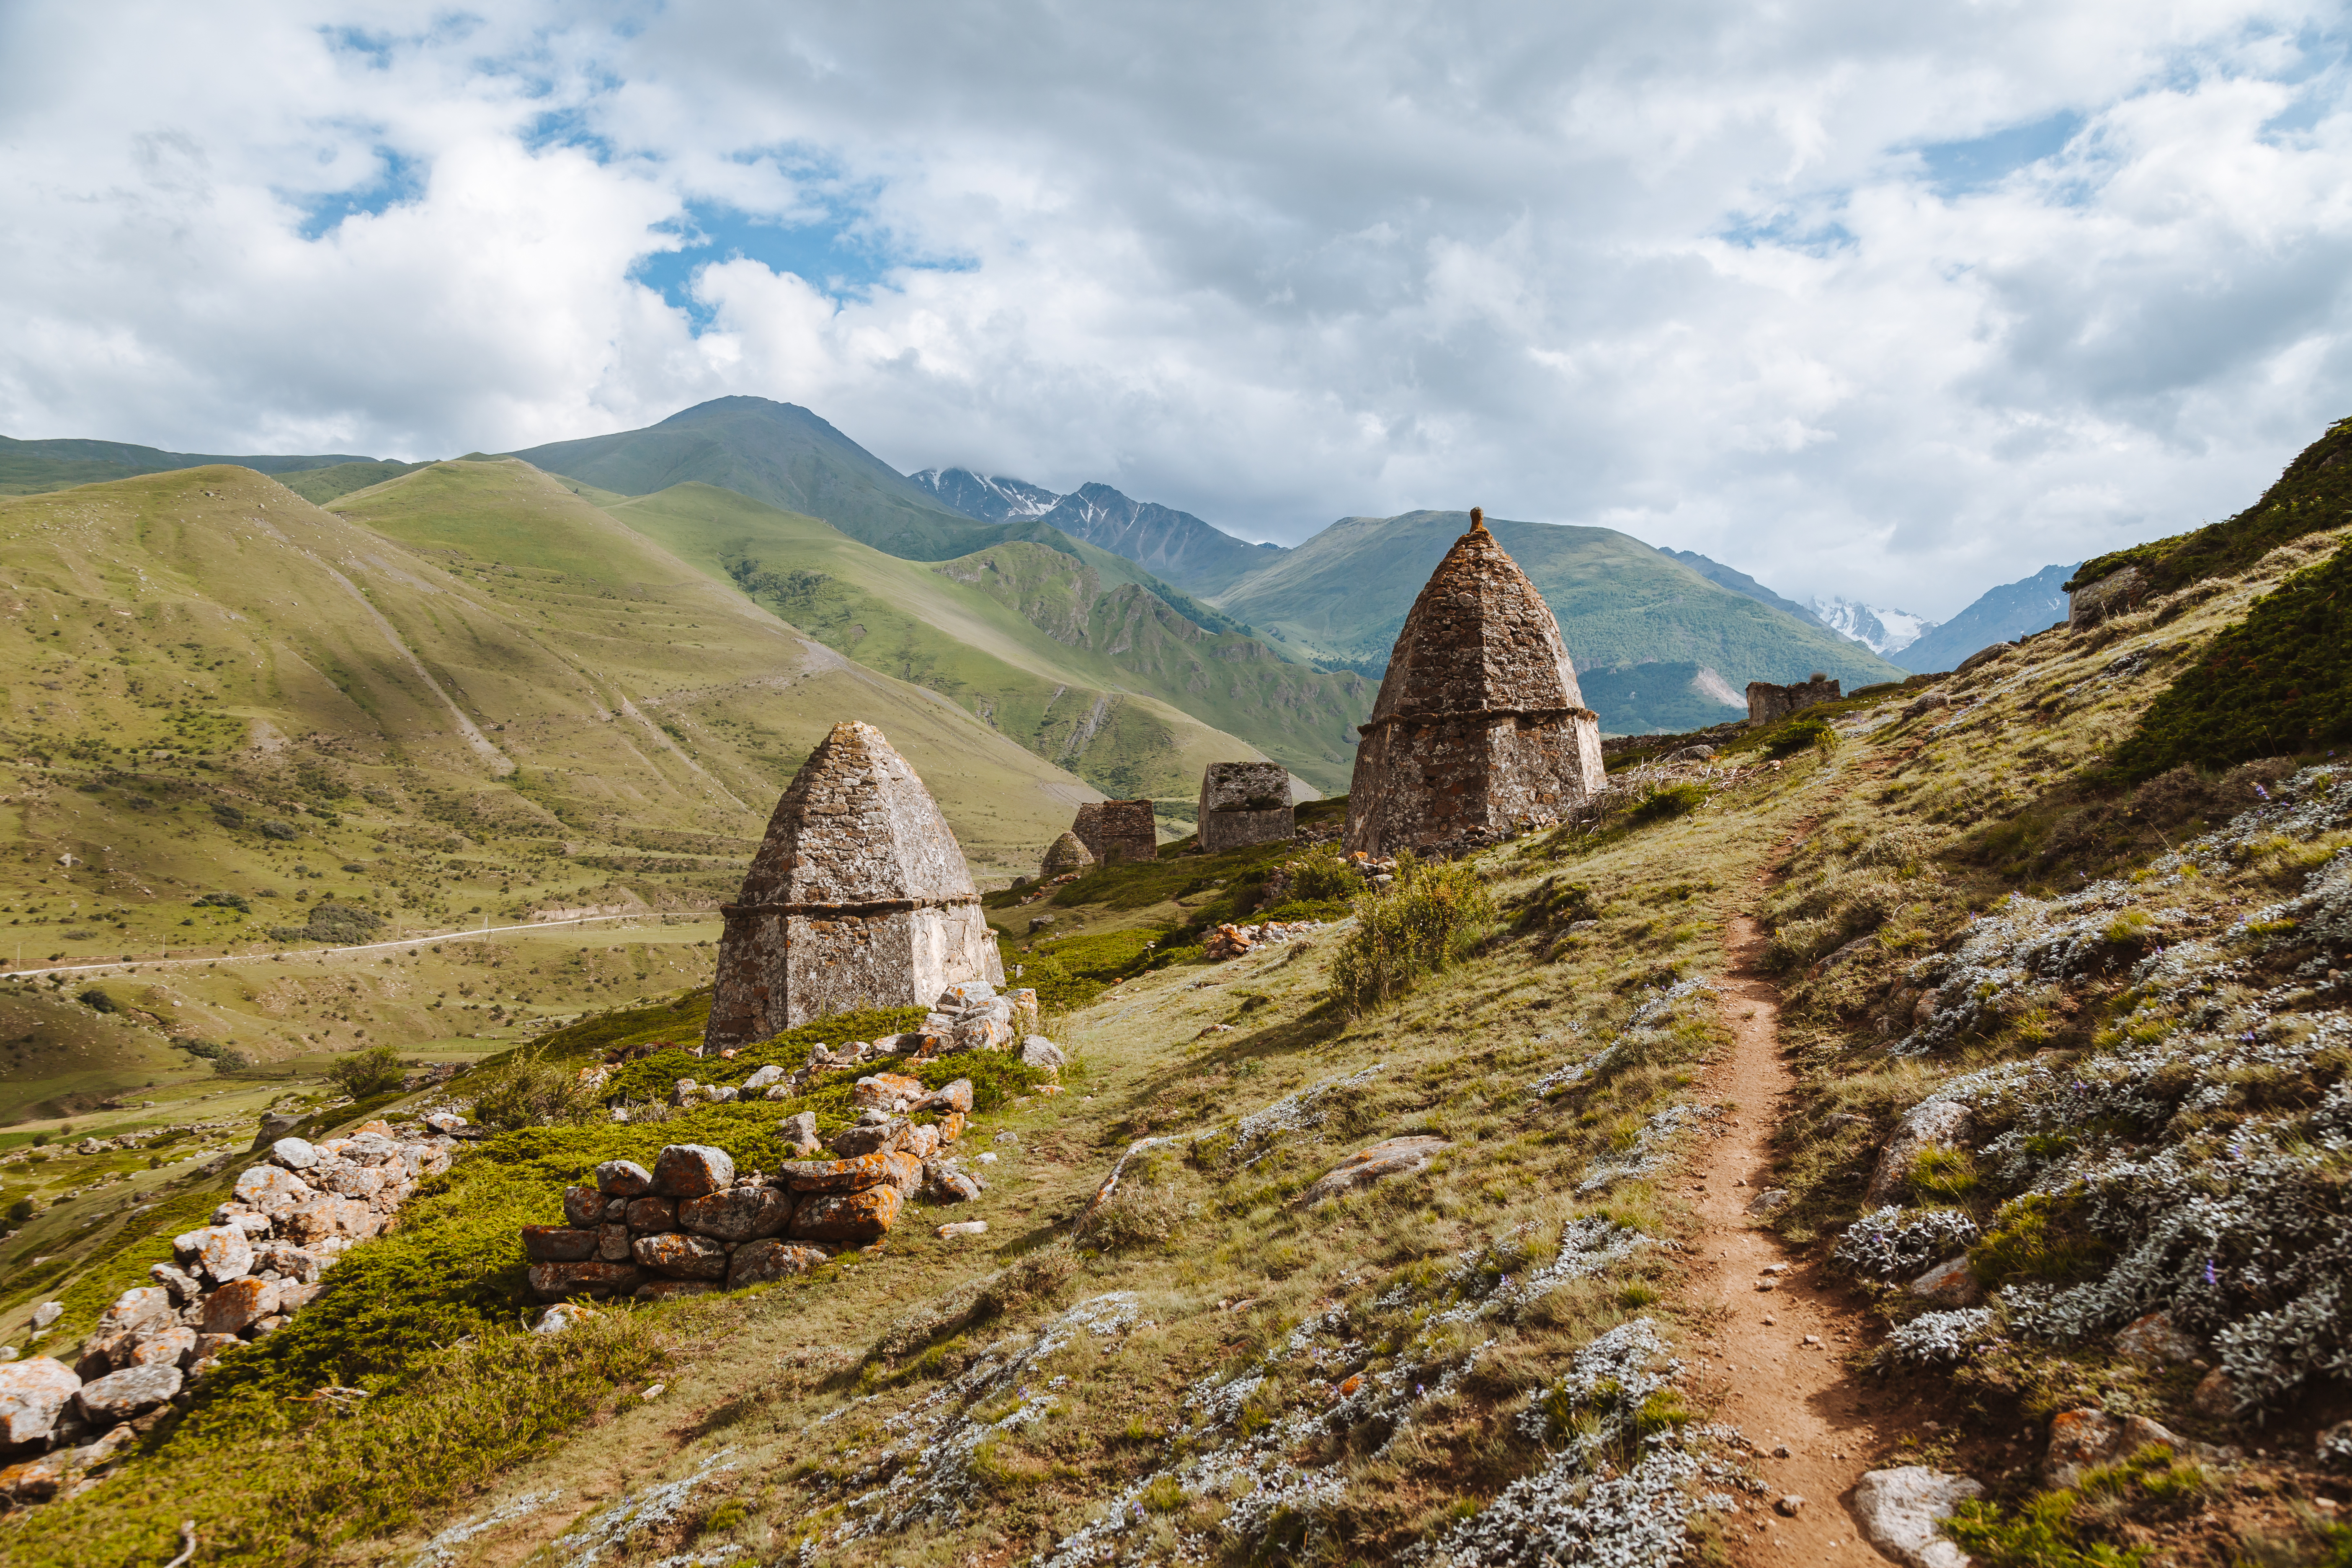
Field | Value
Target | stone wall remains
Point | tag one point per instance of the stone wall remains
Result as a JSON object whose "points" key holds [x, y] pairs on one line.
{"points": [[1768, 704], [1116, 830]]}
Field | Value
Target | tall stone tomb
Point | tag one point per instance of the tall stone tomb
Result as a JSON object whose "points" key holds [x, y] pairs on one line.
{"points": [[858, 897], [1480, 726], [1243, 804], [1116, 830]]}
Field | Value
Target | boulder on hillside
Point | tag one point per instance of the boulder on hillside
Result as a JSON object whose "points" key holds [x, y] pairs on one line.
{"points": [[1936, 1124], [860, 1217], [1389, 1157], [758, 1262], [624, 1179], [690, 1170], [132, 1392], [1898, 1510], [32, 1393]]}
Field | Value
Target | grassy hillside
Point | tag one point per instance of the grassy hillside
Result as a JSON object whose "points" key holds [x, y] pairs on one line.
{"points": [[778, 453], [2314, 494], [1087, 668], [1344, 595], [31, 468]]}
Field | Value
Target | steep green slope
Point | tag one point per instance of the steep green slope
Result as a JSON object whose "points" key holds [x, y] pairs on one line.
{"points": [[31, 468], [321, 486], [1344, 594], [1094, 671], [2313, 493], [778, 453]]}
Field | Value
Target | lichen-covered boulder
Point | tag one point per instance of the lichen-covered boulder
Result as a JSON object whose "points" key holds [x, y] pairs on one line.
{"points": [[690, 1170], [133, 1390], [270, 1187], [219, 1251], [852, 1175], [651, 1216], [1898, 1510], [887, 1091], [758, 1262], [624, 1179], [1389, 1157], [174, 1346], [681, 1256], [847, 1216], [738, 1214], [32, 1393], [238, 1306], [1938, 1124], [583, 1206], [871, 1138], [295, 1153]]}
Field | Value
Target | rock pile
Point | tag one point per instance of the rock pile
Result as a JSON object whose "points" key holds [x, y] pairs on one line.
{"points": [[240, 1277], [1232, 941], [691, 1224]]}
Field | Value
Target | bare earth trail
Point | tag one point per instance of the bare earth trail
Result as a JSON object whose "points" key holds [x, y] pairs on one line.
{"points": [[1776, 1362]]}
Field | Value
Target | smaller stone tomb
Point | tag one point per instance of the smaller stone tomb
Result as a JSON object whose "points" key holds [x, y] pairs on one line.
{"points": [[1243, 804], [1064, 856], [1117, 830], [1768, 704]]}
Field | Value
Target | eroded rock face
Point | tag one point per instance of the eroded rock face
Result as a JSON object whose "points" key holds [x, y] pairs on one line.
{"points": [[1243, 804], [859, 897], [1768, 704], [1480, 726]]}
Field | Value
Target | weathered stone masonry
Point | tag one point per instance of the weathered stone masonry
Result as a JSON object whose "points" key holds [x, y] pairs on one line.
{"points": [[1768, 704], [1243, 804], [1116, 830], [1480, 727], [858, 897]]}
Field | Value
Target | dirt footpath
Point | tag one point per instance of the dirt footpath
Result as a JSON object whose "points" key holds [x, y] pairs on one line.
{"points": [[1776, 1359]]}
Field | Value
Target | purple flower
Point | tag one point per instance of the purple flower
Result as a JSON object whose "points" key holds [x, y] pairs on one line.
{"points": [[2209, 1279]]}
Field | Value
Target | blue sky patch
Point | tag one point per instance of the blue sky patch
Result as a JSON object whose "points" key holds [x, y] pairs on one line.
{"points": [[836, 254], [1958, 167], [398, 178], [1789, 229]]}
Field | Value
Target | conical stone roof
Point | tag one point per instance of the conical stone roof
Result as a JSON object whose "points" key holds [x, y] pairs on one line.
{"points": [[856, 828], [1480, 639]]}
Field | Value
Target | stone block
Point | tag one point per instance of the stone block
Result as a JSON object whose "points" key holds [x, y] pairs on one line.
{"points": [[679, 1256], [1242, 803], [1037, 1051], [738, 1214], [558, 1244], [906, 1171], [238, 1306], [624, 1179], [613, 1244], [690, 1170], [583, 1206], [1898, 1510], [873, 1137], [270, 1187], [798, 1133], [294, 1153], [858, 1216], [887, 1091], [175, 1346], [221, 1252], [652, 1215], [132, 1392], [851, 1175], [140, 1311], [758, 1262], [326, 1217], [554, 1281]]}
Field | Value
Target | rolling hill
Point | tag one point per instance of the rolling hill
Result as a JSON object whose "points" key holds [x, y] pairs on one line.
{"points": [[34, 467], [1622, 604], [1060, 646], [778, 453]]}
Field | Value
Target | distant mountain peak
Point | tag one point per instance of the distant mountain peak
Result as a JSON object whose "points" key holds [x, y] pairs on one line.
{"points": [[996, 497], [1884, 632]]}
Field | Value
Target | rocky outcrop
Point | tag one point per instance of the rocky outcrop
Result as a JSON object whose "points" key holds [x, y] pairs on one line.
{"points": [[1898, 1510], [1389, 1157], [1934, 1124], [2112, 594], [1243, 804], [692, 1224], [858, 897], [1480, 728], [1117, 830]]}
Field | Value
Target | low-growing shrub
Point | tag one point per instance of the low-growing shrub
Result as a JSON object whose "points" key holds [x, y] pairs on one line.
{"points": [[1667, 802], [997, 1077], [527, 1091], [1801, 734], [376, 1070], [1429, 917]]}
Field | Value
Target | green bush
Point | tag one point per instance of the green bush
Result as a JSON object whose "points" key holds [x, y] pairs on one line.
{"points": [[376, 1070], [98, 1001], [1672, 801], [2041, 1534], [1425, 920], [1323, 873], [1799, 736], [528, 1091], [2277, 683], [997, 1077]]}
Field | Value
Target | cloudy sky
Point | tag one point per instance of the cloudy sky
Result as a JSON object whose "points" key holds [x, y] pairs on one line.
{"points": [[1892, 301]]}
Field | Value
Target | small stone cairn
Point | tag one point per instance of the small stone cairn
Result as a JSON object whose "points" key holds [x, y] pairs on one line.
{"points": [[236, 1279], [693, 1224]]}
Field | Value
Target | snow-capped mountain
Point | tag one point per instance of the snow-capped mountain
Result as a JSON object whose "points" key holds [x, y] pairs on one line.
{"points": [[995, 499], [1883, 632]]}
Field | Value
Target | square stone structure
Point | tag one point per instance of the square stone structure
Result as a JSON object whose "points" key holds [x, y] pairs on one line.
{"points": [[858, 897], [1116, 830], [1768, 704], [1480, 725], [1243, 804]]}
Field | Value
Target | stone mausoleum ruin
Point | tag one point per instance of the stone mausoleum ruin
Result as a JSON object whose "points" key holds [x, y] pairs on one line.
{"points": [[1479, 728], [1117, 830], [858, 897], [1768, 704], [1243, 804]]}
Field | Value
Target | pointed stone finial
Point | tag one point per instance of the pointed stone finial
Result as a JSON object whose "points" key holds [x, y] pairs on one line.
{"points": [[1478, 518]]}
